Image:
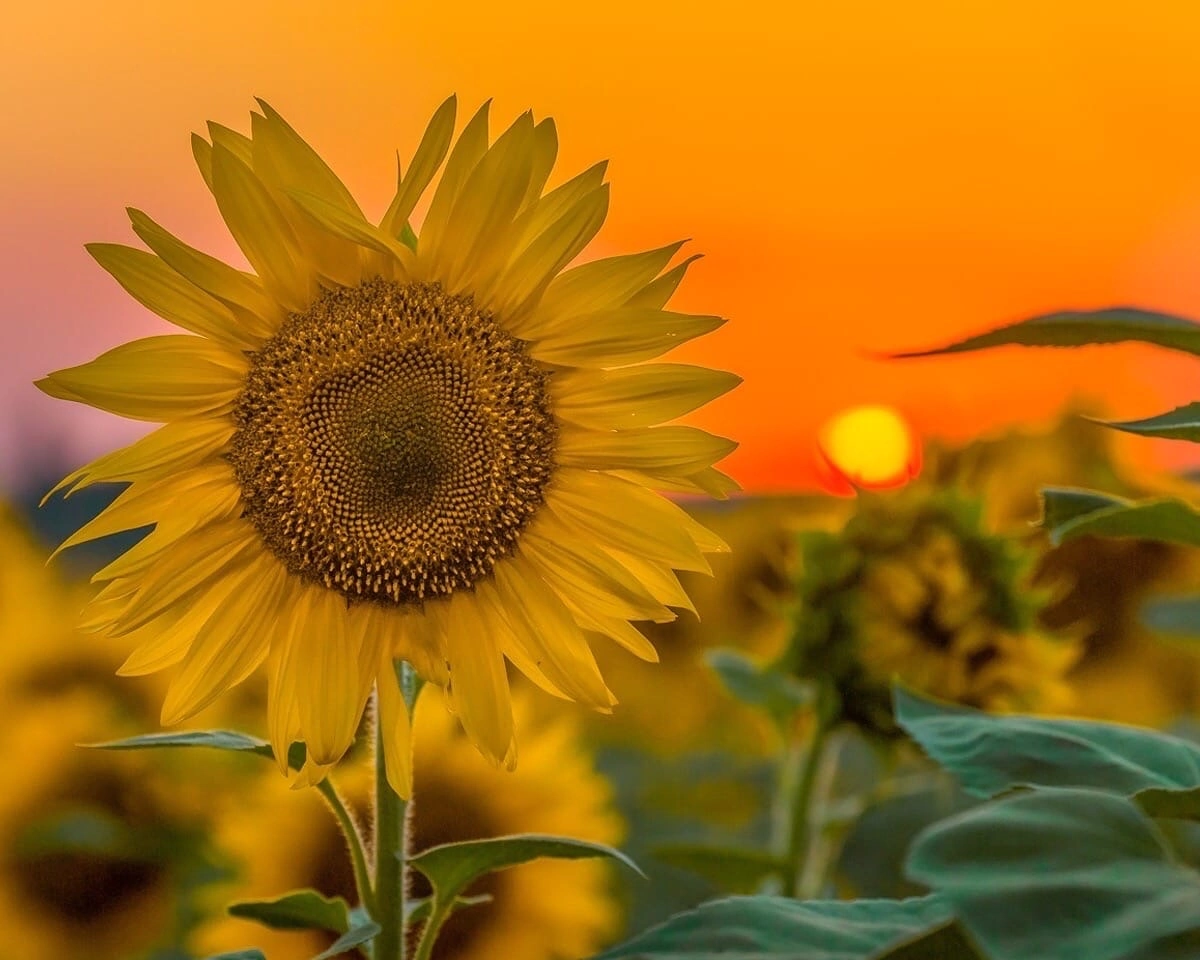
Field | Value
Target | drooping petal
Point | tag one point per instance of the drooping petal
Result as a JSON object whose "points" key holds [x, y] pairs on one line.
{"points": [[231, 643], [478, 682], [396, 729], [641, 396], [156, 378]]}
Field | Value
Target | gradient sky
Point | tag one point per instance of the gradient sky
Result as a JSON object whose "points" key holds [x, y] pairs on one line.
{"points": [[860, 176]]}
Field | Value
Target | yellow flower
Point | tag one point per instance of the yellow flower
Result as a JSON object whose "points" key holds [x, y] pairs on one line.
{"points": [[90, 842], [441, 449], [913, 588], [546, 909]]}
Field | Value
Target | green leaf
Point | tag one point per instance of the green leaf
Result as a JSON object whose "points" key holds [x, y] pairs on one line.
{"points": [[990, 754], [1177, 615], [418, 910], [1077, 328], [1072, 513], [356, 936], [214, 739], [239, 955], [949, 941], [1061, 875], [1182, 423], [299, 910], [776, 928], [450, 867], [776, 692], [732, 869]]}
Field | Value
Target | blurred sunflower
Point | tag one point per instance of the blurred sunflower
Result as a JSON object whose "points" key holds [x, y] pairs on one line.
{"points": [[441, 448], [742, 605], [545, 909], [97, 850], [914, 588]]}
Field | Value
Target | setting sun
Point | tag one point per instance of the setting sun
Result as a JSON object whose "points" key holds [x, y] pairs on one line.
{"points": [[868, 447]]}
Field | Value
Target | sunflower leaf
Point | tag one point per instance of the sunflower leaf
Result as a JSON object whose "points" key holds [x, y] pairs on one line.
{"points": [[1077, 328], [450, 867], [947, 941], [298, 910], [356, 936], [1069, 513], [777, 928], [1062, 874], [417, 911], [1182, 423], [215, 739], [732, 869], [251, 954], [991, 754], [776, 692]]}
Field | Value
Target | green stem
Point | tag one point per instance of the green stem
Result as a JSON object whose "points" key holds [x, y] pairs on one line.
{"points": [[362, 876], [392, 816], [801, 808]]}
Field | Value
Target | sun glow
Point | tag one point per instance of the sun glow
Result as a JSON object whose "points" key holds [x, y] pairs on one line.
{"points": [[867, 447]]}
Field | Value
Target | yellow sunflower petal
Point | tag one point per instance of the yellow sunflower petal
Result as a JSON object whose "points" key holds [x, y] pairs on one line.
{"points": [[283, 709], [175, 446], [353, 227], [548, 633], [156, 378], [242, 293], [478, 682], [468, 151], [707, 482], [158, 287], [656, 293], [619, 630], [396, 728], [658, 579], [430, 153], [544, 152], [417, 638], [641, 396], [262, 231], [663, 450], [616, 337], [232, 642], [623, 515], [165, 641]]}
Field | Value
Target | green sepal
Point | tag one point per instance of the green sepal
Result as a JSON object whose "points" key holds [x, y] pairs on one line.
{"points": [[765, 686], [298, 910], [991, 754], [231, 740], [777, 928], [731, 869], [359, 934], [1078, 328], [1182, 423], [1060, 875], [1069, 513]]}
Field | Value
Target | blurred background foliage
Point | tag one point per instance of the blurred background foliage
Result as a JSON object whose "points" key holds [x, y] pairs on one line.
{"points": [[945, 583]]}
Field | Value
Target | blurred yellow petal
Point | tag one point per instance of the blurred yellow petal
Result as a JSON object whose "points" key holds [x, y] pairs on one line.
{"points": [[478, 682]]}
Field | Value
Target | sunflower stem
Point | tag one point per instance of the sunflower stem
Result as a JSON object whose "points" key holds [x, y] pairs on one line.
{"points": [[362, 875], [800, 787], [393, 818]]}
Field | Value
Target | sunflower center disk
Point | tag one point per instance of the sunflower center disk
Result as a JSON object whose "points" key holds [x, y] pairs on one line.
{"points": [[392, 442]]}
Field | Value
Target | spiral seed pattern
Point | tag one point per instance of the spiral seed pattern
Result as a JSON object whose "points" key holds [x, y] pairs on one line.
{"points": [[392, 442]]}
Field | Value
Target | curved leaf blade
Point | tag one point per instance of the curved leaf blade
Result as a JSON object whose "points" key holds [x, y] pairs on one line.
{"points": [[356, 936], [1182, 423], [1062, 874], [1078, 328], [298, 910], [1069, 513], [777, 928], [450, 867], [732, 869]]}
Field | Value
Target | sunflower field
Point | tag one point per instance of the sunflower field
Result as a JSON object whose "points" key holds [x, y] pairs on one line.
{"points": [[435, 572]]}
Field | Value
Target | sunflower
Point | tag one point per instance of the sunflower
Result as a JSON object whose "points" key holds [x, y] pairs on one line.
{"points": [[444, 448], [94, 846], [547, 909], [914, 588]]}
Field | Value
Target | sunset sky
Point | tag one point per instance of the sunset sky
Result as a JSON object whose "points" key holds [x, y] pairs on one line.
{"points": [[860, 176]]}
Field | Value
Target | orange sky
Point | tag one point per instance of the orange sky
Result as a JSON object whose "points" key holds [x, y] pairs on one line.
{"points": [[860, 175]]}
